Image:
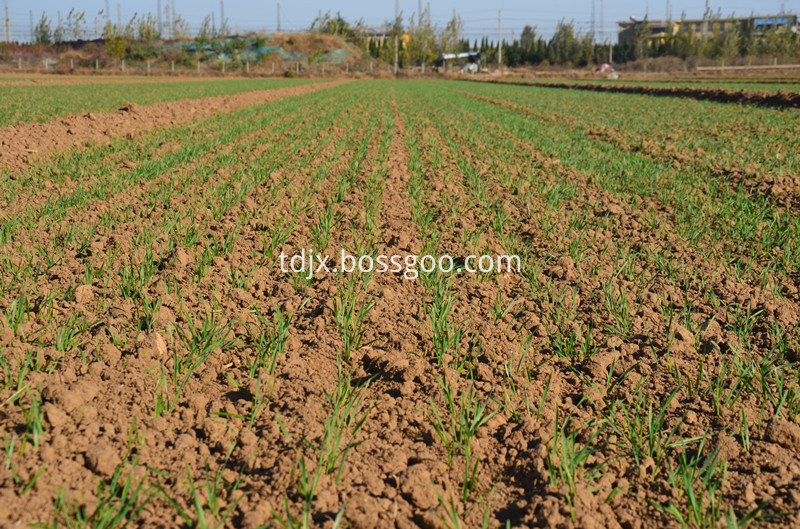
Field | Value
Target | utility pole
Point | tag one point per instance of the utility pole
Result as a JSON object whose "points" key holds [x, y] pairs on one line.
{"points": [[279, 17], [160, 21], [119, 16], [8, 24], [96, 29], [222, 18], [172, 20], [602, 36], [396, 54], [592, 20], [167, 26], [705, 22], [499, 39], [610, 51], [33, 35], [213, 24]]}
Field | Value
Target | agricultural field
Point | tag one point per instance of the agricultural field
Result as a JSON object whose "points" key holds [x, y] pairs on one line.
{"points": [[161, 365], [756, 94], [756, 85], [770, 85], [49, 101]]}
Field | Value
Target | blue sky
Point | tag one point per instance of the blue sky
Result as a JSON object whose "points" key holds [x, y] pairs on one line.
{"points": [[480, 17]]}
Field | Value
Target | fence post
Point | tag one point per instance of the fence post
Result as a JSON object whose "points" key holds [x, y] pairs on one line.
{"points": [[223, 67], [123, 65], [273, 67], [96, 65], [198, 65], [148, 67], [347, 67], [247, 66], [71, 64], [19, 63], [173, 66]]}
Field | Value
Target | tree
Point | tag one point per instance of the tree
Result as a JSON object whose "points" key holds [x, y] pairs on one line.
{"points": [[387, 50], [642, 41], [58, 33], [224, 28], [206, 31], [421, 48], [748, 42], [730, 43], [147, 28], [684, 43], [114, 41], [339, 26], [451, 35], [564, 47], [527, 40], [181, 28], [42, 32], [129, 31], [74, 26]]}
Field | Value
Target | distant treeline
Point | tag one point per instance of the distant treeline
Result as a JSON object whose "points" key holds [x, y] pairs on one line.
{"points": [[419, 42], [423, 43]]}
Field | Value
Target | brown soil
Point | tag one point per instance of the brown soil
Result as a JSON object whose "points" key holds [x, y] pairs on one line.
{"points": [[22, 144]]}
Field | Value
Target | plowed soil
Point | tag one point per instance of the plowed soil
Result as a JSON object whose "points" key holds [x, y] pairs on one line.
{"points": [[116, 288]]}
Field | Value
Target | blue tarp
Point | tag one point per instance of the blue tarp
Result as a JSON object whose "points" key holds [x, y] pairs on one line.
{"points": [[249, 49]]}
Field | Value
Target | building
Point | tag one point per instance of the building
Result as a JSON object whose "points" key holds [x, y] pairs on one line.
{"points": [[466, 61], [659, 29]]}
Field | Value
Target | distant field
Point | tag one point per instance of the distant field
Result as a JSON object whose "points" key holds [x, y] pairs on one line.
{"points": [[727, 84], [752, 85], [48, 102]]}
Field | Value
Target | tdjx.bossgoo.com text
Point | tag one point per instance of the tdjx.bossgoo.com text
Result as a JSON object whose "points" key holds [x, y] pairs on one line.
{"points": [[310, 263]]}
